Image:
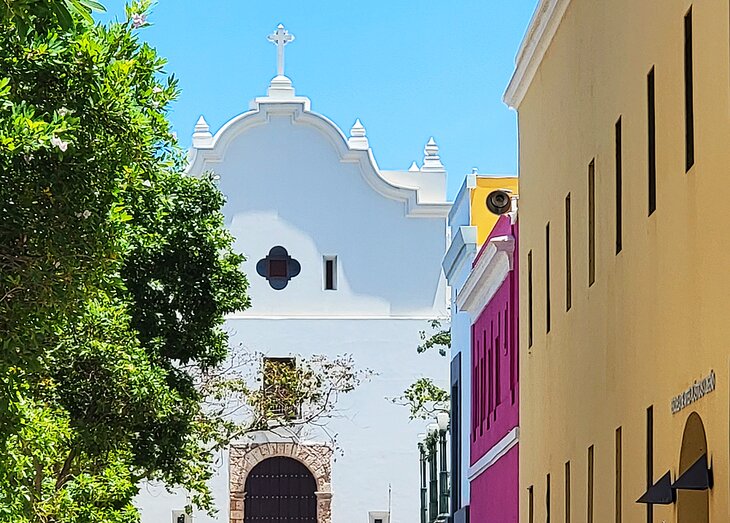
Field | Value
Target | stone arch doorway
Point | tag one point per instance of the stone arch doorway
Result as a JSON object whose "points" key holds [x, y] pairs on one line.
{"points": [[280, 489], [311, 459], [693, 506]]}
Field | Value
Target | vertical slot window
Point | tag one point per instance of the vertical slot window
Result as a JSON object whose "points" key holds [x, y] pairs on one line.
{"points": [[649, 459], [529, 298], [567, 492], [589, 516], [619, 187], [568, 257], [547, 499], [689, 115], [618, 482], [531, 504], [330, 273], [547, 277], [592, 223], [651, 139]]}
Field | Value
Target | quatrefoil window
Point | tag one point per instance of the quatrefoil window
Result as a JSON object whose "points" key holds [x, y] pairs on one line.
{"points": [[278, 268]]}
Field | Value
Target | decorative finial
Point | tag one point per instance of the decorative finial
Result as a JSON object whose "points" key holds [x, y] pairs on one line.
{"points": [[474, 170], [414, 168], [431, 158], [280, 38], [358, 138], [202, 136]]}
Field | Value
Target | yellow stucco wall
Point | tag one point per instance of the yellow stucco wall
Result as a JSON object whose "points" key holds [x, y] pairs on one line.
{"points": [[481, 217], [658, 316]]}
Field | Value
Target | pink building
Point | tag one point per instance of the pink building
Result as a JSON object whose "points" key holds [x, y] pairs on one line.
{"points": [[490, 296]]}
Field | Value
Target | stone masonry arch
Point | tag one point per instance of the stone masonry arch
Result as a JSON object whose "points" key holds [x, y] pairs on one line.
{"points": [[316, 457]]}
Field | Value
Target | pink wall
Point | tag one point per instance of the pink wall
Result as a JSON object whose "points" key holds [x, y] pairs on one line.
{"points": [[494, 493], [495, 395]]}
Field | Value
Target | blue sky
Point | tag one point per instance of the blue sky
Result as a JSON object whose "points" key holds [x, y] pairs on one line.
{"points": [[408, 69]]}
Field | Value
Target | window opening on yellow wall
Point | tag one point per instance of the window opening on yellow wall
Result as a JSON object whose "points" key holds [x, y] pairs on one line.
{"points": [[649, 459], [568, 255], [688, 93], [530, 504], [618, 482], [547, 277], [651, 139], [589, 516], [619, 188], [567, 492], [547, 499], [591, 223], [529, 298]]}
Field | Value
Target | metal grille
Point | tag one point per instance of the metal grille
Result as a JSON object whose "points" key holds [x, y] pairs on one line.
{"points": [[280, 489]]}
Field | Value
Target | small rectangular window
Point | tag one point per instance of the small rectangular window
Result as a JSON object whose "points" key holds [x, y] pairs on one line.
{"points": [[330, 273], [592, 223], [568, 256], [529, 298], [278, 269], [567, 492], [688, 93], [547, 277], [589, 517], [530, 504], [649, 459], [619, 188], [651, 130], [619, 475]]}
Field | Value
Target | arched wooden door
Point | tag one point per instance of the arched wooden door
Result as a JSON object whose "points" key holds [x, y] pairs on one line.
{"points": [[692, 505], [280, 489]]}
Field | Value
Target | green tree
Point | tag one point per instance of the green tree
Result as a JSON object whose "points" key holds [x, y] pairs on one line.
{"points": [[424, 397]]}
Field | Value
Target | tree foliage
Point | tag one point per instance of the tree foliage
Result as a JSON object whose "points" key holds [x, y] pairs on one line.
{"points": [[116, 273], [424, 397]]}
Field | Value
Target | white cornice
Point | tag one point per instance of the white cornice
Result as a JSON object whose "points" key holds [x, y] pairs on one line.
{"points": [[490, 271], [501, 448], [540, 33], [462, 250]]}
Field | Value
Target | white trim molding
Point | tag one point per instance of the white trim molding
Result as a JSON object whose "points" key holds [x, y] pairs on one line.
{"points": [[539, 35], [501, 448], [490, 270]]}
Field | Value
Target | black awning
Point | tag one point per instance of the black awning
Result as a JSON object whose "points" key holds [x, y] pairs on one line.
{"points": [[660, 493], [697, 477]]}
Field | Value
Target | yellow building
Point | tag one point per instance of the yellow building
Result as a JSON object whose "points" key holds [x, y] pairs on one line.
{"points": [[624, 119]]}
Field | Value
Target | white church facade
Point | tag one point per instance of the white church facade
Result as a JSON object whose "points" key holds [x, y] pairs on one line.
{"points": [[342, 258]]}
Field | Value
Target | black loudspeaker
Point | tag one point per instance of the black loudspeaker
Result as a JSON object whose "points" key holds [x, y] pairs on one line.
{"points": [[499, 202]]}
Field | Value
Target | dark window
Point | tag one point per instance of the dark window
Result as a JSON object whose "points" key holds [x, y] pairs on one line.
{"points": [[547, 277], [567, 492], [330, 273], [279, 398], [278, 268], [619, 182], [619, 475], [688, 93], [455, 431], [378, 520], [651, 130], [591, 223], [547, 500], [649, 459], [589, 517], [531, 504], [568, 256], [529, 298]]}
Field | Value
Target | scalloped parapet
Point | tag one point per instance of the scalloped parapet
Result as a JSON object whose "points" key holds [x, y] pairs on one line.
{"points": [[422, 191]]}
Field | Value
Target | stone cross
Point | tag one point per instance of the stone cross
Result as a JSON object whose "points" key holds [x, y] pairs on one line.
{"points": [[280, 38]]}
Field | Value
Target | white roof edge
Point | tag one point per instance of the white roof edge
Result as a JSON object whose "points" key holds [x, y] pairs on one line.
{"points": [[543, 26]]}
